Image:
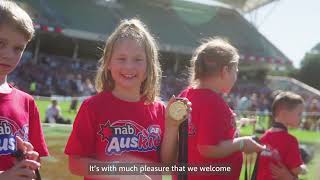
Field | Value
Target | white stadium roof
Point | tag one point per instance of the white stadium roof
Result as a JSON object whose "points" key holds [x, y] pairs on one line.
{"points": [[246, 5]]}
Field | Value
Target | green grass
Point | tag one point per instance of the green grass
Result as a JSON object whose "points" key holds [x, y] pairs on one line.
{"points": [[55, 167], [313, 168], [64, 105], [304, 137]]}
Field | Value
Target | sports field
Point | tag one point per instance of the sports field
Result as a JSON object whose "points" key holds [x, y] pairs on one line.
{"points": [[55, 167]]}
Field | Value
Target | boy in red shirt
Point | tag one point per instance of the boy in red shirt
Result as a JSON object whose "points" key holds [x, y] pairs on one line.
{"points": [[213, 136], [287, 109], [19, 115]]}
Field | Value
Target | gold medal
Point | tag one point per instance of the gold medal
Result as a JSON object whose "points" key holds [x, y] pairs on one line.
{"points": [[178, 110]]}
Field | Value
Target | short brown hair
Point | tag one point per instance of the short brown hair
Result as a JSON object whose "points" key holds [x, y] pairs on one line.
{"points": [[12, 15], [287, 100], [212, 55]]}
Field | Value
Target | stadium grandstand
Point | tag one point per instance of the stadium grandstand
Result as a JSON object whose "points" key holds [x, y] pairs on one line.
{"points": [[186, 21], [75, 31]]}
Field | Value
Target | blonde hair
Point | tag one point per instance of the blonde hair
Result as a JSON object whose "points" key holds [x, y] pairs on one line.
{"points": [[12, 15], [210, 57], [133, 29]]}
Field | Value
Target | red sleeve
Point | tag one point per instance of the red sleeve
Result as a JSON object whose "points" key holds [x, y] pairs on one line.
{"points": [[293, 158], [184, 93], [82, 139], [211, 127], [36, 137]]}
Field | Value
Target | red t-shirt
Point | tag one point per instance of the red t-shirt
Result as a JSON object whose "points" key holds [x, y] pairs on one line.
{"points": [[212, 121], [109, 129], [19, 116], [284, 148]]}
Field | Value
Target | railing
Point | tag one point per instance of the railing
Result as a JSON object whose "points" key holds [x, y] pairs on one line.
{"points": [[309, 121], [292, 81]]}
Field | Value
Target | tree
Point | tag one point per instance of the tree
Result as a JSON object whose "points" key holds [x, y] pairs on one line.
{"points": [[310, 70]]}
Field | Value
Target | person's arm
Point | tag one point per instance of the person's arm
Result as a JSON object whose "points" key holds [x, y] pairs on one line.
{"points": [[280, 172], [36, 137], [293, 159], [226, 148], [169, 145], [302, 169]]}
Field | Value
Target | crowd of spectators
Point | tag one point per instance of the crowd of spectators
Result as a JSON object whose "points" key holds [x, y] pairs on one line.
{"points": [[53, 75], [63, 76]]}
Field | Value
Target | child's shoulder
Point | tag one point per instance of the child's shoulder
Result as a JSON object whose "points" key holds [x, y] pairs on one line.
{"points": [[202, 95], [292, 138], [184, 93], [283, 135], [97, 98], [157, 103], [22, 94]]}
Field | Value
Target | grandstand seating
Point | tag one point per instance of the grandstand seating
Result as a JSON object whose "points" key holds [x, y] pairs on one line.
{"points": [[163, 23], [178, 25]]}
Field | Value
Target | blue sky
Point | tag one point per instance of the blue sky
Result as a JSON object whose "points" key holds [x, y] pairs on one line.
{"points": [[291, 25]]}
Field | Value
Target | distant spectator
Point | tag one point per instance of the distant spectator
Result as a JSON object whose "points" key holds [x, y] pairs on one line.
{"points": [[312, 121], [88, 88], [33, 87], [54, 115], [243, 104], [254, 104], [79, 84], [74, 104]]}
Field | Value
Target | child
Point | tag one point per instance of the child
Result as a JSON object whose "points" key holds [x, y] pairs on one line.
{"points": [[53, 112], [54, 115], [124, 122], [213, 138], [19, 115], [287, 110]]}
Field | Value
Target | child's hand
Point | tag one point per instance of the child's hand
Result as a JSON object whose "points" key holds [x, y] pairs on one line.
{"points": [[250, 145], [25, 165], [177, 111], [22, 170], [246, 121], [26, 149]]}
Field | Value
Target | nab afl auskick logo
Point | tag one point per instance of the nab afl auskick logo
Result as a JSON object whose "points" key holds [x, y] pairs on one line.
{"points": [[7, 139], [8, 130], [128, 136]]}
